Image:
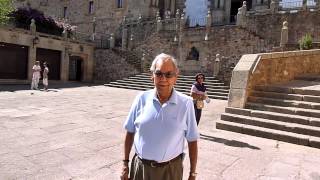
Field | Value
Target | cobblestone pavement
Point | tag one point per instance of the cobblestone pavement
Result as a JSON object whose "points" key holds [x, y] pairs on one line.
{"points": [[76, 133]]}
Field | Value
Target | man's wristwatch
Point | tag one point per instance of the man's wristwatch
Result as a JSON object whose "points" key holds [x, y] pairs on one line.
{"points": [[193, 174]]}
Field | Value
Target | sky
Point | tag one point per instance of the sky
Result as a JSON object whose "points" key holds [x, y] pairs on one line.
{"points": [[197, 10]]}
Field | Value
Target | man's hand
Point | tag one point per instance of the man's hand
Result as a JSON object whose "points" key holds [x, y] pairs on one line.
{"points": [[125, 172]]}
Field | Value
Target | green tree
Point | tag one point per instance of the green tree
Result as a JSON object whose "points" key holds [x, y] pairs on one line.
{"points": [[6, 7]]}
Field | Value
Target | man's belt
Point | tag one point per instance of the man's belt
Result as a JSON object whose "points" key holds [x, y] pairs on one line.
{"points": [[153, 163]]}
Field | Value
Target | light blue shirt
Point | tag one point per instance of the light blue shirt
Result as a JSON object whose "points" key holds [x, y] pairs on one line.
{"points": [[161, 130]]}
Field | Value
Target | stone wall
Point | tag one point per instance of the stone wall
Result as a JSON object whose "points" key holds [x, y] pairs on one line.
{"points": [[108, 16], [109, 66], [282, 67], [268, 26], [231, 42], [270, 68]]}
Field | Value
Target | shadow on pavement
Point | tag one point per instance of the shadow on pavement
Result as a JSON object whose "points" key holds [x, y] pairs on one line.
{"points": [[228, 142], [53, 87]]}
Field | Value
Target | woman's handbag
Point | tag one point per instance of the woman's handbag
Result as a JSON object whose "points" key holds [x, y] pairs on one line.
{"points": [[199, 104]]}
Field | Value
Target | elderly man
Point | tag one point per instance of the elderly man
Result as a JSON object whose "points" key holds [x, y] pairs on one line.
{"points": [[158, 123]]}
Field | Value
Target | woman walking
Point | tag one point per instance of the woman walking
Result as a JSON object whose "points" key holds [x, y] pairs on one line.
{"points": [[198, 93]]}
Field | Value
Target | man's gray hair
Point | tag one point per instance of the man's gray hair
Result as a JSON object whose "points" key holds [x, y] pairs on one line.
{"points": [[162, 57]]}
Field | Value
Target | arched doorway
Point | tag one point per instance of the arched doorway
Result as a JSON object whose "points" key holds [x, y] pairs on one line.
{"points": [[75, 68]]}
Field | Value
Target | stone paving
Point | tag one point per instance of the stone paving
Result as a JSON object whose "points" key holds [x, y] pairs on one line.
{"points": [[76, 133]]}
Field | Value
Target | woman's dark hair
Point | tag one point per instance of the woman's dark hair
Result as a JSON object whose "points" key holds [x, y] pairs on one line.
{"points": [[200, 74]]}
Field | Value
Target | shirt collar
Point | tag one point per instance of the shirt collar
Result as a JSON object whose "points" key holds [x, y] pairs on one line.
{"points": [[173, 98]]}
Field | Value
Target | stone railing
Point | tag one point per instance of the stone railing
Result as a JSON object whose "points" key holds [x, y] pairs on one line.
{"points": [[269, 68]]}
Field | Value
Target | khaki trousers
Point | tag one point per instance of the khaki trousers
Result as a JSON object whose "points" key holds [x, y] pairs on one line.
{"points": [[143, 171]]}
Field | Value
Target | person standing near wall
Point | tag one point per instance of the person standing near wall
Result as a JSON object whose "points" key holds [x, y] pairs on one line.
{"points": [[158, 124], [198, 93], [45, 76], [36, 69]]}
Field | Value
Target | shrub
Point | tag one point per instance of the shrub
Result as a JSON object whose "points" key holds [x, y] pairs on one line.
{"points": [[49, 25], [6, 8], [305, 42]]}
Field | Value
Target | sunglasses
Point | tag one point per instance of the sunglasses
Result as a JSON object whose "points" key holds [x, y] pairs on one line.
{"points": [[169, 74]]}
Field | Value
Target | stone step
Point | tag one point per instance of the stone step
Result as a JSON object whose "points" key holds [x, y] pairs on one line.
{"points": [[210, 91], [183, 79], [211, 95], [183, 76], [277, 95], [182, 82], [304, 120], [286, 103], [215, 88], [272, 124], [287, 90], [269, 133], [308, 77], [219, 86], [285, 110]]}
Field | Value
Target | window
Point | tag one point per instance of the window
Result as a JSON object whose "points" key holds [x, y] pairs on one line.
{"points": [[65, 12], [91, 7], [119, 3]]}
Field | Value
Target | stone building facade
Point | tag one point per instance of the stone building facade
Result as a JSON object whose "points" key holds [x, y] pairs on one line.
{"points": [[67, 59], [155, 26]]}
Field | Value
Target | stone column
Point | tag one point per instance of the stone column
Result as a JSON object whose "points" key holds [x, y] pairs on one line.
{"points": [[221, 4], [209, 20], [32, 55], [159, 24], [259, 2], [182, 22], [64, 73], [177, 20], [216, 65], [131, 42], [284, 34], [112, 41], [166, 5], [274, 6], [90, 67], [216, 2], [142, 62], [304, 5], [173, 6], [208, 25], [124, 38], [317, 4], [227, 7]]}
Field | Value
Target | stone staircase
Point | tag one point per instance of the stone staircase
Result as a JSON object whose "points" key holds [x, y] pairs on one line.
{"points": [[215, 88], [289, 112], [130, 56]]}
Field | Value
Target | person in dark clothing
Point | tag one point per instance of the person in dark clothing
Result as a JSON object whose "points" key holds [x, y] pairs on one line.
{"points": [[198, 93]]}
